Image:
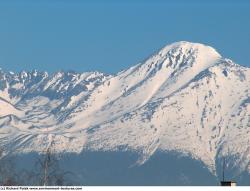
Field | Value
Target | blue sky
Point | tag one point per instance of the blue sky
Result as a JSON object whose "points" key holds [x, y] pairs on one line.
{"points": [[109, 36]]}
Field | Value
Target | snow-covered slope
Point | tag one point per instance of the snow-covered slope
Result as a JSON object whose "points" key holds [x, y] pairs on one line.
{"points": [[185, 98]]}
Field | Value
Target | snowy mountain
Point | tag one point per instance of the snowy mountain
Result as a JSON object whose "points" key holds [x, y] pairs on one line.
{"points": [[186, 98]]}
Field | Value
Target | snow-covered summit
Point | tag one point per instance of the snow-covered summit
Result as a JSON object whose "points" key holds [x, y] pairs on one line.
{"points": [[184, 98], [186, 46]]}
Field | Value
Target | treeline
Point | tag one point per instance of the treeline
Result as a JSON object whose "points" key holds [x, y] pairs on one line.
{"points": [[46, 171]]}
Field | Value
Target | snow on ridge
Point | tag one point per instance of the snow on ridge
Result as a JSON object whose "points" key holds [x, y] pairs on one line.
{"points": [[7, 109]]}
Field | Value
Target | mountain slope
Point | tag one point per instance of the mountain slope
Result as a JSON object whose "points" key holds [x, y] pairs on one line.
{"points": [[185, 98]]}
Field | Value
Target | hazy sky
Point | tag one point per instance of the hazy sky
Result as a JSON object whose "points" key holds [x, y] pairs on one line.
{"points": [[109, 36]]}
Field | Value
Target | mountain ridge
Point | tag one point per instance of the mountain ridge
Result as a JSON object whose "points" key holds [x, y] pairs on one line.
{"points": [[186, 92]]}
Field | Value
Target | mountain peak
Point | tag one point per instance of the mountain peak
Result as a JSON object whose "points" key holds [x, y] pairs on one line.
{"points": [[179, 58], [185, 46]]}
